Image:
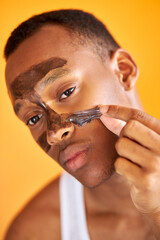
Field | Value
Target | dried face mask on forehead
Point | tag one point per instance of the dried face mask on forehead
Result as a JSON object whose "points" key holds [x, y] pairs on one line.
{"points": [[24, 84]]}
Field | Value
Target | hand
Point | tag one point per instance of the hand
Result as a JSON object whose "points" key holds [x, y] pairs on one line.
{"points": [[138, 148]]}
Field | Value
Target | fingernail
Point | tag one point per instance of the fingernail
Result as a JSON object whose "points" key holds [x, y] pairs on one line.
{"points": [[104, 109]]}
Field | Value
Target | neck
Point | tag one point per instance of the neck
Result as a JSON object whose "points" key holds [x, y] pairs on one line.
{"points": [[113, 196]]}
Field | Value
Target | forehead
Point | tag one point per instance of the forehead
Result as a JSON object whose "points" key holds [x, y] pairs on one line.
{"points": [[50, 41]]}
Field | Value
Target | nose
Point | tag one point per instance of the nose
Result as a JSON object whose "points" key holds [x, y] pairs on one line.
{"points": [[61, 134]]}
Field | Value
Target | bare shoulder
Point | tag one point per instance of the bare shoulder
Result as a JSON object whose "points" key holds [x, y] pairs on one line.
{"points": [[40, 218]]}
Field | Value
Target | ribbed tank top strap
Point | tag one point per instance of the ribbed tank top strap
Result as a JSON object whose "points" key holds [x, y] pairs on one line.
{"points": [[73, 217]]}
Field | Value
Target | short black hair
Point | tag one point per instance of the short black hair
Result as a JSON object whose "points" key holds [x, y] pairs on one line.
{"points": [[84, 25]]}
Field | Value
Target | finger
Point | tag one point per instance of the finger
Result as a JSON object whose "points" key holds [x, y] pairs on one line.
{"points": [[125, 114], [137, 154], [114, 125], [142, 134], [130, 171]]}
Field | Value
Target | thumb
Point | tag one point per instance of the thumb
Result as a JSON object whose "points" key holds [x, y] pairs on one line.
{"points": [[113, 124]]}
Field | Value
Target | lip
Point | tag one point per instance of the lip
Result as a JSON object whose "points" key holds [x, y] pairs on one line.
{"points": [[74, 157]]}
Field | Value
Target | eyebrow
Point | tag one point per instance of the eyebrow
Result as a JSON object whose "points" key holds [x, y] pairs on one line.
{"points": [[47, 80], [52, 76], [25, 82]]}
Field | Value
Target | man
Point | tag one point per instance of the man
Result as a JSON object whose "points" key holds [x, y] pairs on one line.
{"points": [[66, 61]]}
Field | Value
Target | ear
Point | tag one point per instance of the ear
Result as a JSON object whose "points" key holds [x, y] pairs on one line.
{"points": [[125, 68]]}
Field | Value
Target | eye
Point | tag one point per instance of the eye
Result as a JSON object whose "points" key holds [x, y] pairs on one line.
{"points": [[32, 121], [66, 93]]}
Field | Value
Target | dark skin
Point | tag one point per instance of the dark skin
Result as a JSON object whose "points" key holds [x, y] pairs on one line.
{"points": [[22, 89], [139, 161], [80, 86]]}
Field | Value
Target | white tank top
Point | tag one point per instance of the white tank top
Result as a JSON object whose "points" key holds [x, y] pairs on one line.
{"points": [[73, 217]]}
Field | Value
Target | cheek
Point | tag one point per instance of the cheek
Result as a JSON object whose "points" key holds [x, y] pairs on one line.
{"points": [[52, 151], [41, 139], [100, 91], [108, 92], [103, 152], [42, 142], [40, 135], [102, 140], [105, 139]]}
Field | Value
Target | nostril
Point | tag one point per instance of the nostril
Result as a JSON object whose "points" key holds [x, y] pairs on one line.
{"points": [[65, 134]]}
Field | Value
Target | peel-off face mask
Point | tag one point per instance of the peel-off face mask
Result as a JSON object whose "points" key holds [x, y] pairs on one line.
{"points": [[80, 118], [57, 121]]}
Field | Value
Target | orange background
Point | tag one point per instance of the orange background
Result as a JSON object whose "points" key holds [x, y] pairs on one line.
{"points": [[24, 168]]}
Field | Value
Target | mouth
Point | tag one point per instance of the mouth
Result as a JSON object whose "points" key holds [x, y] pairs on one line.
{"points": [[74, 157]]}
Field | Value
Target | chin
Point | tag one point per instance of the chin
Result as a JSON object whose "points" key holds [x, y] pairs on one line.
{"points": [[95, 178]]}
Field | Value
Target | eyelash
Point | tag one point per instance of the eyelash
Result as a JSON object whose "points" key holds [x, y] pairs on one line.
{"points": [[36, 118], [69, 91]]}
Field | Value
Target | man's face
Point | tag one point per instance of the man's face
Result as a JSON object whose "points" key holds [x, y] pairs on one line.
{"points": [[48, 76]]}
